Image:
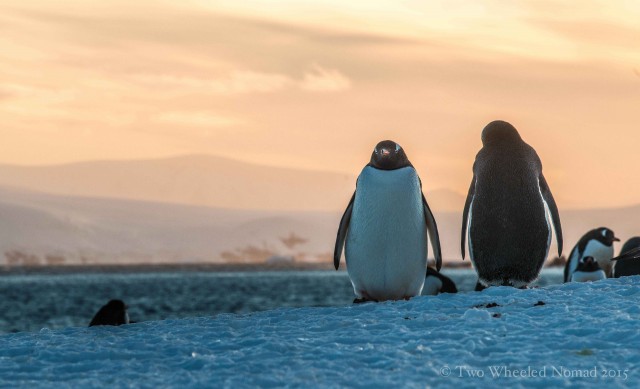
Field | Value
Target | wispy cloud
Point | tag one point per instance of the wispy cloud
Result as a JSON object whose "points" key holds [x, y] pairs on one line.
{"points": [[319, 79], [240, 82]]}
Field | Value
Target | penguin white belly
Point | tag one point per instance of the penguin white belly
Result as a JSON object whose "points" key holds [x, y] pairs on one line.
{"points": [[580, 276], [432, 286], [595, 249], [386, 247]]}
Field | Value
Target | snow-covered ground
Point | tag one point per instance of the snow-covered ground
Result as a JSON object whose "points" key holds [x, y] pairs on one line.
{"points": [[583, 334]]}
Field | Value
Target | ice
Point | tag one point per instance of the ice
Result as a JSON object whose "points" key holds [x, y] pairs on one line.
{"points": [[584, 334]]}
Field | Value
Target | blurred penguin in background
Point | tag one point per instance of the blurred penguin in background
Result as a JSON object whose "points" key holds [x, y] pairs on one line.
{"points": [[627, 266], [436, 283], [114, 313], [588, 270], [506, 214], [597, 243]]}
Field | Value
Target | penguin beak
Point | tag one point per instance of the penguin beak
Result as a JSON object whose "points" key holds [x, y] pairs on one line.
{"points": [[616, 239], [385, 152]]}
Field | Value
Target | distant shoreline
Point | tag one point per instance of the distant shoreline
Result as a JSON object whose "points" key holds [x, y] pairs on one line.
{"points": [[162, 268], [187, 267], [177, 267]]}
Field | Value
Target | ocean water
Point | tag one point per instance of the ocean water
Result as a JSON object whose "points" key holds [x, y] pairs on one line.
{"points": [[33, 302]]}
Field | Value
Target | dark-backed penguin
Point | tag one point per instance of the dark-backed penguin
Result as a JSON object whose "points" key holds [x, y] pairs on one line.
{"points": [[623, 267], [436, 283], [597, 243], [114, 313], [505, 214], [588, 269], [384, 229]]}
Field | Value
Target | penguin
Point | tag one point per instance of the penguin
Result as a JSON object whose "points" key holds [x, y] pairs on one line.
{"points": [[436, 283], [384, 229], [114, 313], [597, 243], [505, 213], [587, 270], [629, 266]]}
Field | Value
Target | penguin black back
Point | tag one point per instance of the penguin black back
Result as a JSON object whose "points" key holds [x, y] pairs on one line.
{"points": [[509, 235], [628, 267], [114, 313]]}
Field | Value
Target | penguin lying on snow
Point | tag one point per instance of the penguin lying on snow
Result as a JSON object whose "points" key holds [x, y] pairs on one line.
{"points": [[384, 229], [114, 313], [627, 267], [506, 210], [628, 263], [588, 269], [597, 243], [436, 283]]}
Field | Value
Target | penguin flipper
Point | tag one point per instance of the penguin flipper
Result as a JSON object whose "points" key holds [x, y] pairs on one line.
{"points": [[432, 229], [566, 270], [553, 209], [567, 265], [342, 232], [465, 214]]}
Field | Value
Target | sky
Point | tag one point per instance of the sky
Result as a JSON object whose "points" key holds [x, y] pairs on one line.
{"points": [[316, 84]]}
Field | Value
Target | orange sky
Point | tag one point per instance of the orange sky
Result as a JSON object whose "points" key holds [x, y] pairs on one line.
{"points": [[315, 84]]}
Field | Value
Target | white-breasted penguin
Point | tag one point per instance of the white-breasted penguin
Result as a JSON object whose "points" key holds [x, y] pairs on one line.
{"points": [[436, 283], [587, 270], [506, 210], [597, 243], [629, 266], [384, 229], [114, 313]]}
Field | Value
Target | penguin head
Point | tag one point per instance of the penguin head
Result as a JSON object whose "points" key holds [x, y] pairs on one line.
{"points": [[604, 236], [388, 155], [587, 264], [499, 131]]}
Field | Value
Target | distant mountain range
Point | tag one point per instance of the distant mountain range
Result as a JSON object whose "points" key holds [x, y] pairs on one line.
{"points": [[204, 209], [193, 180], [203, 181], [39, 228]]}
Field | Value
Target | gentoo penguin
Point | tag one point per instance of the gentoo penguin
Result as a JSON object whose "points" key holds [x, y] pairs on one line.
{"points": [[588, 269], [436, 283], [629, 266], [506, 210], [597, 243], [114, 313], [384, 229]]}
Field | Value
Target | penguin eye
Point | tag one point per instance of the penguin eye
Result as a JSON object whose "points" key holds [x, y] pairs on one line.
{"points": [[397, 147], [604, 233]]}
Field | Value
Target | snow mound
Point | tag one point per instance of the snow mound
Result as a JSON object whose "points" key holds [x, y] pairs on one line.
{"points": [[561, 335]]}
